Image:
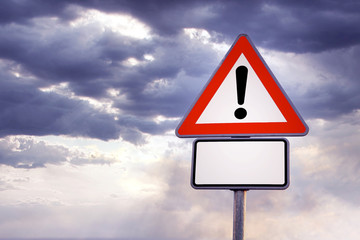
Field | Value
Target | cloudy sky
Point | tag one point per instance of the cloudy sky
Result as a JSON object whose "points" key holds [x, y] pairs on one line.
{"points": [[92, 91]]}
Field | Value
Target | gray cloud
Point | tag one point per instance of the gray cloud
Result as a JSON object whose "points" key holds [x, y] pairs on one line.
{"points": [[53, 55], [329, 87], [91, 64], [47, 51], [21, 11], [170, 82], [27, 153], [27, 110], [304, 26]]}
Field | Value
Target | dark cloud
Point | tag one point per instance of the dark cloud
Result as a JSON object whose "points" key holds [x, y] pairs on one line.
{"points": [[91, 62], [45, 48], [27, 110], [61, 54], [330, 102], [162, 86], [170, 82], [21, 11], [302, 26]]}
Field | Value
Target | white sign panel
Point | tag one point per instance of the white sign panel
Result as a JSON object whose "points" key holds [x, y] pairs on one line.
{"points": [[257, 101], [240, 164]]}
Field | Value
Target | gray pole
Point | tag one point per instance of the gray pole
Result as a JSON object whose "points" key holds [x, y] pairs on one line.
{"points": [[239, 214]]}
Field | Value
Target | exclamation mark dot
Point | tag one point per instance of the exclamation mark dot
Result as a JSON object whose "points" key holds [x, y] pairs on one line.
{"points": [[241, 78]]}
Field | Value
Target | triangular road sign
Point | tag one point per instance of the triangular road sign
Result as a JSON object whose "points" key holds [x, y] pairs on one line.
{"points": [[242, 98]]}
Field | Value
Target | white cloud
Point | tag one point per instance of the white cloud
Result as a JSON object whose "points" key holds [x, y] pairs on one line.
{"points": [[148, 187], [205, 38], [123, 24]]}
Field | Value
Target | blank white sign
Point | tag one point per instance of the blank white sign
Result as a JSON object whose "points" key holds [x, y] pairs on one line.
{"points": [[240, 164]]}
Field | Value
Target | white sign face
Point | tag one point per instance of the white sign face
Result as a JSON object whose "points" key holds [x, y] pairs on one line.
{"points": [[240, 164], [258, 103]]}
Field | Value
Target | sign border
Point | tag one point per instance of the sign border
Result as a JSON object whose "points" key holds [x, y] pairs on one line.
{"points": [[242, 186], [264, 131]]}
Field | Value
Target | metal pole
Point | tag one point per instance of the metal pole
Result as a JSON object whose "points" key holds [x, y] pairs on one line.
{"points": [[239, 214]]}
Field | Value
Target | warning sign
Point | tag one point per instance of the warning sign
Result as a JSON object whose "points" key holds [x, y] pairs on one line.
{"points": [[242, 98]]}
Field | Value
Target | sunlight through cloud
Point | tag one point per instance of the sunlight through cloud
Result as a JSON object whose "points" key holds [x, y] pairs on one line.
{"points": [[119, 23]]}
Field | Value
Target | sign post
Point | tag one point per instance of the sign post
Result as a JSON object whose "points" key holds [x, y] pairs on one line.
{"points": [[241, 102], [239, 215]]}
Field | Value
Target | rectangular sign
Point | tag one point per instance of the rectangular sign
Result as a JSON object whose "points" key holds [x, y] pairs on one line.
{"points": [[233, 163]]}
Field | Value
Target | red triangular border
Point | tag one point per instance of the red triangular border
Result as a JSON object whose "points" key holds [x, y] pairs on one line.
{"points": [[294, 125]]}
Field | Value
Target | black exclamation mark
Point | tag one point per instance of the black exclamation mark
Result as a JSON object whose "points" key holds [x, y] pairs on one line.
{"points": [[241, 78]]}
